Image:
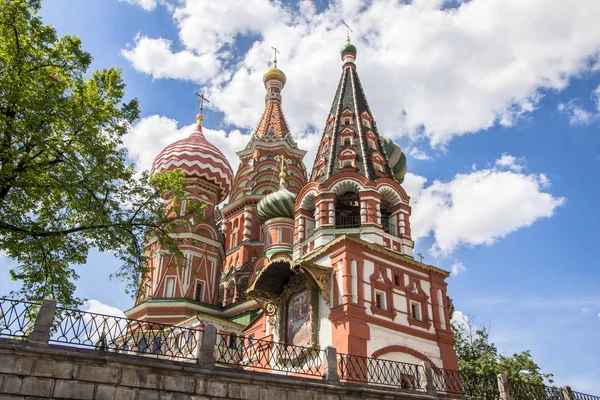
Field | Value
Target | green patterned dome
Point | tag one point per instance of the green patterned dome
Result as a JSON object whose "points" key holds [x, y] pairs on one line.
{"points": [[279, 204], [397, 159], [348, 48]]}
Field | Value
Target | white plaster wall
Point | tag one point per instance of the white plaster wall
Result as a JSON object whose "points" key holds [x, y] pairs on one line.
{"points": [[382, 337], [324, 327], [368, 269], [402, 357]]}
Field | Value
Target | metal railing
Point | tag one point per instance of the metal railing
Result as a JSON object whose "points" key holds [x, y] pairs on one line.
{"points": [[17, 317], [469, 384], [128, 336], [250, 353], [389, 228], [583, 396], [380, 372], [347, 221], [123, 335], [533, 391]]}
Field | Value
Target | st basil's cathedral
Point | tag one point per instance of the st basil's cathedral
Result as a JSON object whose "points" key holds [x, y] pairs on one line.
{"points": [[309, 258]]}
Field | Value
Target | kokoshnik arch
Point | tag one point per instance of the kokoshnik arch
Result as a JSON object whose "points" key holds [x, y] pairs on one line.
{"points": [[318, 260]]}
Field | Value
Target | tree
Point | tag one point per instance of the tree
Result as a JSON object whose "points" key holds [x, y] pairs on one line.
{"points": [[65, 184], [476, 355]]}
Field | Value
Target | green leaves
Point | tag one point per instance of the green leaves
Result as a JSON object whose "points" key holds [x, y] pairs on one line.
{"points": [[65, 184], [478, 356]]}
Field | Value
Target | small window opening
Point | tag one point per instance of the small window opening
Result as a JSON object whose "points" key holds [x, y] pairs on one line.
{"points": [[415, 309], [380, 300], [198, 294], [397, 280]]}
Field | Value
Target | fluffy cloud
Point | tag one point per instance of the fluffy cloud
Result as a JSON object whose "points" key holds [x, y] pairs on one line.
{"points": [[147, 5], [154, 57], [418, 154], [428, 70], [510, 162], [478, 207], [97, 307], [460, 319], [457, 268], [577, 113]]}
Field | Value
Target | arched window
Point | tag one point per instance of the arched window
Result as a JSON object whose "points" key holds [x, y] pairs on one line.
{"points": [[347, 210], [243, 287], [386, 221]]}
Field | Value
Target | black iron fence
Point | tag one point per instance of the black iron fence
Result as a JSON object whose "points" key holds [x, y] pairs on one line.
{"points": [[583, 396], [123, 335], [380, 372], [249, 353], [465, 383], [533, 391], [17, 317], [128, 336], [347, 221]]}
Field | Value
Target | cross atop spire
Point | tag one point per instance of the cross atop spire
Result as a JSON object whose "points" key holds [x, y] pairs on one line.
{"points": [[275, 56], [200, 116], [348, 30]]}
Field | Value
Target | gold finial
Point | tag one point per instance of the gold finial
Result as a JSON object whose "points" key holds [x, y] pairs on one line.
{"points": [[282, 174], [275, 56], [200, 116], [348, 30]]}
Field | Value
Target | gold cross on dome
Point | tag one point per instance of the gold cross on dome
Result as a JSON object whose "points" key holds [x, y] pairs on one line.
{"points": [[275, 56], [420, 256], [348, 30], [202, 100]]}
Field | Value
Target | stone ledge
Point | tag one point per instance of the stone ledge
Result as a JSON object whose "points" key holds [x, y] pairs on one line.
{"points": [[110, 376]]}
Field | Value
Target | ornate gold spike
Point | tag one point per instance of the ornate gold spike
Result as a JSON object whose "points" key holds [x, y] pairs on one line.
{"points": [[348, 30], [275, 56], [200, 116], [282, 174]]}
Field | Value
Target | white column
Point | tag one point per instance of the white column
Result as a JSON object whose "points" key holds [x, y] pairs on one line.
{"points": [[354, 269]]}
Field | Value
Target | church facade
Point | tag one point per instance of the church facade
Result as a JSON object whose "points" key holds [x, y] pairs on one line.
{"points": [[309, 258]]}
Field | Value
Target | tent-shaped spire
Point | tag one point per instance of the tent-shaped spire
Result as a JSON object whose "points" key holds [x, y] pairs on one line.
{"points": [[351, 141]]}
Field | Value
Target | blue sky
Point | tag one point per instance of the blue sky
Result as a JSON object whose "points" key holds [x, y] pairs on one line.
{"points": [[496, 103]]}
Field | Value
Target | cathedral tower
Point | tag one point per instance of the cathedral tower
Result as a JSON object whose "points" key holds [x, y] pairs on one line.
{"points": [[178, 288], [271, 144]]}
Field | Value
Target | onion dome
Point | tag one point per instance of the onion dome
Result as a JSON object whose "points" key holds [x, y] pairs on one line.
{"points": [[397, 159], [348, 48], [198, 158], [274, 73], [279, 204]]}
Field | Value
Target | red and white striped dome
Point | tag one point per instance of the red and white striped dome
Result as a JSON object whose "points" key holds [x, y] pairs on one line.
{"points": [[197, 157]]}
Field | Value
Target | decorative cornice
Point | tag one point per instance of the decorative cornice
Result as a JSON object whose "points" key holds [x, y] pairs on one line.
{"points": [[377, 248]]}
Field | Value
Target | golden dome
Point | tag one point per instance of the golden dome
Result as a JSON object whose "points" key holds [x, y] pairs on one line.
{"points": [[274, 73]]}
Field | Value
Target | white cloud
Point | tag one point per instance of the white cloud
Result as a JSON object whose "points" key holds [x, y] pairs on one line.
{"points": [[427, 71], [457, 268], [152, 134], [95, 306], [510, 162], [478, 207], [460, 319], [147, 5], [418, 154], [599, 315], [585, 310], [154, 57], [577, 113]]}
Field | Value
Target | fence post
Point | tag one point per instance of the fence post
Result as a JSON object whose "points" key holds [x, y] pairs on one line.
{"points": [[206, 358], [503, 388], [330, 365], [427, 379], [43, 323], [567, 393]]}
